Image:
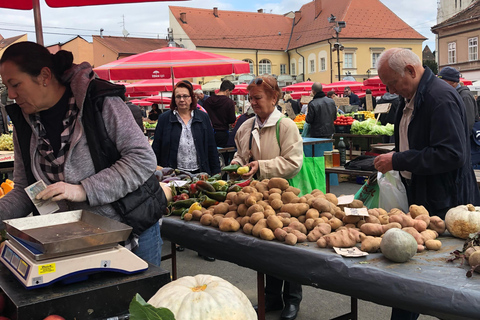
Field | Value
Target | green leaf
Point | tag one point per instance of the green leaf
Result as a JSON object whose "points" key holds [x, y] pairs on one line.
{"points": [[140, 310]]}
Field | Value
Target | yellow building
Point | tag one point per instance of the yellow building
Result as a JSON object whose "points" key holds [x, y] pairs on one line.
{"points": [[302, 43]]}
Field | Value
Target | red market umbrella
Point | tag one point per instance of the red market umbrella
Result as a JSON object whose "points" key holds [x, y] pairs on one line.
{"points": [[142, 103], [157, 85], [35, 5], [240, 89], [158, 99], [466, 82], [171, 62], [374, 82], [301, 86], [340, 86], [299, 94]]}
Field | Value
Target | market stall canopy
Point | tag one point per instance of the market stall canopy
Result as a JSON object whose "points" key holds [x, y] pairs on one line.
{"points": [[373, 81], [35, 5], [142, 103], [212, 85], [301, 86], [169, 63], [158, 99], [340, 86], [157, 85], [299, 94], [240, 90], [466, 82]]}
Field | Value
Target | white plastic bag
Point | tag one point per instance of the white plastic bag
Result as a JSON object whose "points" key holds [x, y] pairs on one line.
{"points": [[392, 192]]}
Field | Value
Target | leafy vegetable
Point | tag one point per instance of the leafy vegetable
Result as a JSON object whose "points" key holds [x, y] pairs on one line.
{"points": [[140, 310], [369, 127]]}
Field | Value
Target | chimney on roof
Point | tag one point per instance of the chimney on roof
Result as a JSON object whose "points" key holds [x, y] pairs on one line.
{"points": [[215, 11], [260, 10], [183, 17], [318, 8], [298, 16]]}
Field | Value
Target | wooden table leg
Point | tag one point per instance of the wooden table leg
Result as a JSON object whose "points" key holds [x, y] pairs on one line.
{"points": [[327, 182], [261, 295], [174, 260]]}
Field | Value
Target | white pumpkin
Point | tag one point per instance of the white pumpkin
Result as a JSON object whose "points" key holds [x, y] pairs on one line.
{"points": [[204, 297], [463, 220]]}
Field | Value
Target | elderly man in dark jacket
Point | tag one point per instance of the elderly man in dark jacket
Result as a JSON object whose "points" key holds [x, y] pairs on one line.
{"points": [[432, 153], [452, 76], [321, 114]]}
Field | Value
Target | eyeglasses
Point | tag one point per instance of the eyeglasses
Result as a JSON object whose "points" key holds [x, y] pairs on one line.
{"points": [[184, 97], [259, 81]]}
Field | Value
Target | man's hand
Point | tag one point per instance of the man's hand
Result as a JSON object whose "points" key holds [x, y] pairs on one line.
{"points": [[63, 191], [383, 162]]}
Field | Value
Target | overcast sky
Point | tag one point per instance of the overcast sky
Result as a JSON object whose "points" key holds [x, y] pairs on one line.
{"points": [[150, 20]]}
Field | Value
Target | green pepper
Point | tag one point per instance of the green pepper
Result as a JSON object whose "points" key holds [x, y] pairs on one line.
{"points": [[234, 188], [207, 202], [217, 176], [204, 186], [218, 195], [177, 211], [219, 185], [231, 168], [184, 203], [183, 213]]}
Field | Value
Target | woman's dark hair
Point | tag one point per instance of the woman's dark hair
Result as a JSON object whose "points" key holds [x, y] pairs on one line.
{"points": [[31, 58], [188, 85], [154, 105]]}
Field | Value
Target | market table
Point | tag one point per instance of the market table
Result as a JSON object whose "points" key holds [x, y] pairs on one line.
{"points": [[426, 284], [360, 136], [342, 170]]}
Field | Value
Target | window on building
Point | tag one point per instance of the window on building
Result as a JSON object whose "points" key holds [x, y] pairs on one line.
{"points": [[323, 64], [250, 62], [292, 67], [473, 49], [312, 66], [264, 67], [348, 60], [283, 69], [452, 52], [375, 56]]}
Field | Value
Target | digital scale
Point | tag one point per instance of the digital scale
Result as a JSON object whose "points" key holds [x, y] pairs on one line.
{"points": [[66, 247]]}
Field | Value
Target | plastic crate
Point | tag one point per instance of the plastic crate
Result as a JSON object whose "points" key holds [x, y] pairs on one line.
{"points": [[342, 128]]}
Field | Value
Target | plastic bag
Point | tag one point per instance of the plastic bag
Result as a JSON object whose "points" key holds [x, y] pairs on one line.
{"points": [[306, 130], [368, 194], [311, 176], [392, 192]]}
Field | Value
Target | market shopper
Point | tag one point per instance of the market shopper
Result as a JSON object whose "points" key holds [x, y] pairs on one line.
{"points": [[294, 103], [221, 110], [154, 113], [452, 76], [267, 157], [322, 112], [354, 99], [363, 101], [54, 142], [431, 149], [201, 97]]}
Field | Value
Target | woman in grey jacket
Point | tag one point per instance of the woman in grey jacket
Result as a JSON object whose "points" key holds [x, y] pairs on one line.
{"points": [[50, 92]]}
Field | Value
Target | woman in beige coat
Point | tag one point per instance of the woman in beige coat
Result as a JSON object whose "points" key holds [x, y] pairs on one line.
{"points": [[268, 156]]}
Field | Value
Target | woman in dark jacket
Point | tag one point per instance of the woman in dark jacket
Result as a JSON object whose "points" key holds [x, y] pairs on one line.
{"points": [[184, 135]]}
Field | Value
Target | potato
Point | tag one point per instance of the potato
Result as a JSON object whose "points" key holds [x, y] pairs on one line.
{"points": [[371, 244], [231, 214], [242, 209], [437, 224], [196, 215], [206, 219], [221, 208], [356, 204], [279, 183], [276, 203], [232, 207], [274, 196], [255, 208], [301, 237], [249, 189], [229, 225], [312, 213], [261, 187], [296, 225], [188, 217], [433, 244], [291, 239], [335, 223], [257, 216], [294, 190], [261, 224], [231, 196], [322, 205], [273, 222], [269, 212], [217, 219], [280, 234], [267, 234], [416, 211], [248, 228], [240, 198], [244, 221], [295, 209], [332, 198], [250, 200], [288, 197], [275, 190]]}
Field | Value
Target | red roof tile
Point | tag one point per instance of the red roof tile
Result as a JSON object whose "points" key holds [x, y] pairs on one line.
{"points": [[130, 45], [366, 19], [5, 42]]}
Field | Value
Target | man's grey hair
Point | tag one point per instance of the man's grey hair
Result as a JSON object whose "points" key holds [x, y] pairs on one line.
{"points": [[198, 91], [398, 59], [317, 87]]}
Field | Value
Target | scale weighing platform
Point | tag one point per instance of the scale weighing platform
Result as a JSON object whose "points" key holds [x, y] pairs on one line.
{"points": [[66, 247]]}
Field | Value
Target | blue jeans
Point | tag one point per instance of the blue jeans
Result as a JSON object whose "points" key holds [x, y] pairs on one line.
{"points": [[150, 245]]}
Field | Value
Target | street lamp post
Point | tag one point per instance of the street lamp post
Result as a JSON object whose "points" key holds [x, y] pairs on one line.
{"points": [[337, 46]]}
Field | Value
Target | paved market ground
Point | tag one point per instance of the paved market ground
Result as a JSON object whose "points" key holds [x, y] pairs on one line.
{"points": [[316, 305]]}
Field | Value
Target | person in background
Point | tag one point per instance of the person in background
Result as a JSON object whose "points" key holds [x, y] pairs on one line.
{"points": [[294, 103], [389, 117], [322, 112], [363, 101], [52, 95], [331, 94], [137, 114], [154, 113], [3, 119], [452, 76], [201, 97], [221, 110], [354, 100], [268, 156], [431, 149]]}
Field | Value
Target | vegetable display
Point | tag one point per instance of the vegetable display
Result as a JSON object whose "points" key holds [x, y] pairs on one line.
{"points": [[463, 220], [6, 187], [204, 297], [6, 142], [371, 127]]}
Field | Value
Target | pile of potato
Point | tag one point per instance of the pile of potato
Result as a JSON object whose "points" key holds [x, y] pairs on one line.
{"points": [[271, 209]]}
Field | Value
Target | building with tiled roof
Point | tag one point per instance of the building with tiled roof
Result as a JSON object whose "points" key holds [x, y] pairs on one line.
{"points": [[107, 48], [81, 49], [300, 42], [6, 42], [458, 42]]}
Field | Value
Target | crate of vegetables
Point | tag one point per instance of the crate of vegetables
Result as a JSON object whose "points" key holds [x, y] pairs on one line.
{"points": [[343, 124]]}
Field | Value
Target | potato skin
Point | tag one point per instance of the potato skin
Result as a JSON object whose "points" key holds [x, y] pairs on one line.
{"points": [[267, 234]]}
